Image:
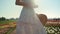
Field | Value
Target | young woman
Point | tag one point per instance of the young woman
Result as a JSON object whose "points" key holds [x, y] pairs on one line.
{"points": [[28, 22]]}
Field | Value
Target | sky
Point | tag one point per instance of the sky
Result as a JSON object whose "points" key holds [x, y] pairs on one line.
{"points": [[51, 8]]}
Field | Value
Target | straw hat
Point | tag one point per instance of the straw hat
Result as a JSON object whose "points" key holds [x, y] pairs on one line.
{"points": [[43, 18]]}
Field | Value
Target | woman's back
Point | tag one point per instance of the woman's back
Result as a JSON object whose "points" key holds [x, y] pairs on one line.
{"points": [[28, 22], [28, 1]]}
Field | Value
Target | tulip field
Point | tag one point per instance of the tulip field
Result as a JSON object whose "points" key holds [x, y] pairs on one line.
{"points": [[53, 29], [10, 27]]}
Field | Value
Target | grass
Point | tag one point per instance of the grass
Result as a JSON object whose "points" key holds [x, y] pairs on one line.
{"points": [[7, 21], [2, 27], [10, 30]]}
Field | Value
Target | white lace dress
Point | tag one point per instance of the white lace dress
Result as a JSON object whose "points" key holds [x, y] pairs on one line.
{"points": [[28, 22]]}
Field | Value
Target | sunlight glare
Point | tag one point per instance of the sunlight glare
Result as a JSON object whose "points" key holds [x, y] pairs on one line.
{"points": [[36, 1]]}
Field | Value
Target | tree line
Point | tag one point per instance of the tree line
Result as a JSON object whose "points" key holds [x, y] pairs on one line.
{"points": [[3, 19]]}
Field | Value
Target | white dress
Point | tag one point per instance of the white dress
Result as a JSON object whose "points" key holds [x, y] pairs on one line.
{"points": [[28, 22]]}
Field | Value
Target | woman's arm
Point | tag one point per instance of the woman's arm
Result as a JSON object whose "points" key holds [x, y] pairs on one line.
{"points": [[20, 2]]}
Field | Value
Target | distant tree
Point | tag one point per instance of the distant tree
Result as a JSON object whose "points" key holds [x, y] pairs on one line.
{"points": [[2, 19], [12, 18], [17, 18], [58, 18]]}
